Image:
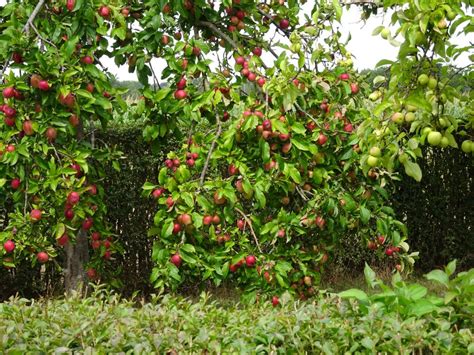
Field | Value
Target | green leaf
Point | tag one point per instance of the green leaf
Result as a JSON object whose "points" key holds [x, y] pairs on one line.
{"points": [[364, 215], [300, 144], [413, 170], [450, 268], [438, 276], [370, 276], [337, 9], [354, 293]]}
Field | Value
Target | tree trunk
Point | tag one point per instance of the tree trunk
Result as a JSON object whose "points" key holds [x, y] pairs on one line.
{"points": [[77, 255]]}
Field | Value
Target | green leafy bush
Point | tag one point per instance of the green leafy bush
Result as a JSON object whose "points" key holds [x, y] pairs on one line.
{"points": [[401, 318]]}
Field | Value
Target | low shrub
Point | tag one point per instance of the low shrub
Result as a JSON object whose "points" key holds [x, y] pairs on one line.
{"points": [[401, 318]]}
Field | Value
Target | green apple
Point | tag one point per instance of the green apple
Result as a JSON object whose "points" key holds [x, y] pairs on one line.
{"points": [[443, 122], [410, 117], [385, 33], [467, 146], [444, 142], [375, 152], [432, 83], [410, 108], [423, 79], [427, 130], [434, 138], [397, 117], [372, 161]]}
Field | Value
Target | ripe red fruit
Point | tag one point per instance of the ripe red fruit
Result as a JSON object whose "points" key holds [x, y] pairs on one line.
{"points": [[216, 219], [284, 24], [190, 162], [107, 255], [207, 220], [157, 193], [275, 301], [95, 244], [250, 261], [51, 134], [219, 200], [371, 245], [225, 116], [241, 224], [9, 246], [9, 92], [186, 219], [42, 257], [9, 111], [194, 156], [69, 100], [77, 167], [267, 125], [165, 39], [381, 239], [240, 60], [35, 215], [181, 84], [169, 202], [69, 214], [169, 163], [196, 51], [63, 240], [17, 57], [28, 127], [91, 274], [87, 59], [15, 183], [233, 267], [344, 76], [92, 189], [9, 121], [389, 252], [95, 236], [176, 259], [104, 11], [107, 244], [252, 76], [233, 170], [73, 198], [245, 72], [281, 233], [348, 128], [261, 82], [43, 85], [257, 51], [322, 139], [70, 4], [74, 120], [320, 222], [180, 94], [87, 223], [176, 162], [240, 14], [354, 88], [11, 148]]}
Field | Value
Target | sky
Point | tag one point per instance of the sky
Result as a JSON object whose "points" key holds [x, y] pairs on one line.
{"points": [[366, 49]]}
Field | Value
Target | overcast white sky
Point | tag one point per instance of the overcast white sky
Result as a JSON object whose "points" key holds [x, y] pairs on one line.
{"points": [[366, 49]]}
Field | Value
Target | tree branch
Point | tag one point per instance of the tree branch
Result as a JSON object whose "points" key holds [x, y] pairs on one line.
{"points": [[249, 222], [206, 164], [218, 32]]}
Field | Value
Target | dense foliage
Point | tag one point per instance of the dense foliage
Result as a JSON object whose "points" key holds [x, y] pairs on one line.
{"points": [[279, 159], [403, 318]]}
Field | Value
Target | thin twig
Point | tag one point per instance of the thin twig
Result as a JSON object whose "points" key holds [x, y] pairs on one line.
{"points": [[206, 164], [249, 222], [301, 193], [41, 37], [155, 79]]}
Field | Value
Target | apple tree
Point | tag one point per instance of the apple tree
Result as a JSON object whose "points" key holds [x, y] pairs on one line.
{"points": [[54, 95]]}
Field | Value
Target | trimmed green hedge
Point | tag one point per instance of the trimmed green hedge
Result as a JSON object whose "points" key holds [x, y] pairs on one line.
{"points": [[403, 318]]}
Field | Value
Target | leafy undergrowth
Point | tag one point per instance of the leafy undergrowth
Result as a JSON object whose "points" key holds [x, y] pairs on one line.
{"points": [[402, 317]]}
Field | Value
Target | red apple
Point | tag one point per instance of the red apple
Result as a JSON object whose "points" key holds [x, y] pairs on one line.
{"points": [[281, 233], [186, 219], [181, 84], [322, 139], [284, 24], [104, 11], [261, 82], [9, 92], [43, 85], [257, 51], [169, 202], [35, 215], [51, 134], [87, 59], [95, 244], [17, 57], [176, 260], [180, 94], [241, 224], [42, 257], [157, 193], [207, 220], [216, 219], [275, 301], [87, 223], [74, 120], [344, 76], [9, 246], [15, 183], [91, 273], [354, 88], [28, 127], [250, 261], [63, 240], [69, 214], [73, 198], [70, 4]]}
